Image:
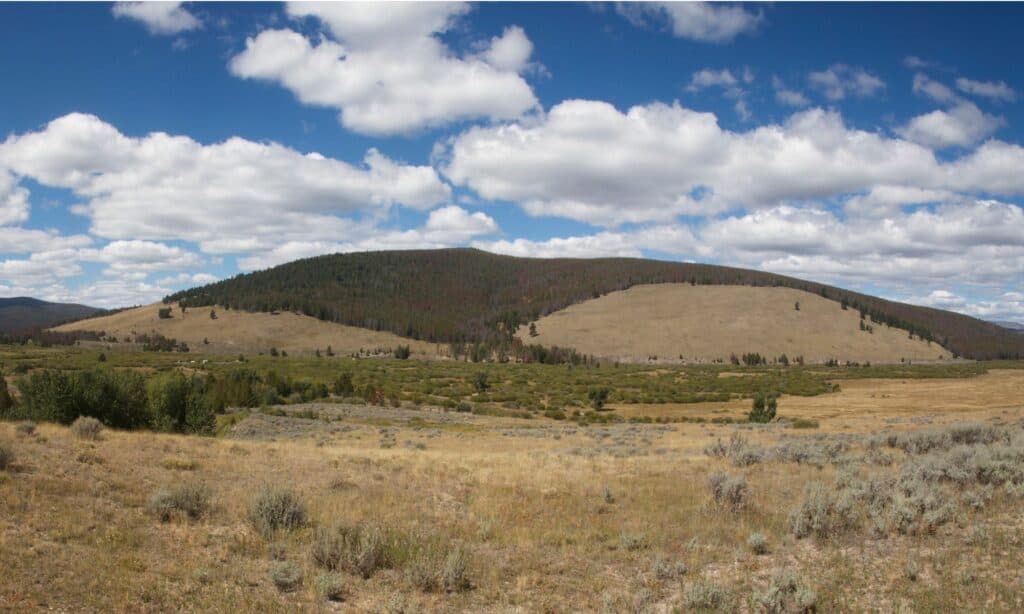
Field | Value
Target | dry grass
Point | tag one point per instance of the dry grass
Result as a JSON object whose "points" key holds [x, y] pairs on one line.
{"points": [[236, 331], [705, 323], [511, 515]]}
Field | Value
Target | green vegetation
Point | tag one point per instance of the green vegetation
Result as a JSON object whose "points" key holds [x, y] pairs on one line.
{"points": [[763, 408], [465, 295]]}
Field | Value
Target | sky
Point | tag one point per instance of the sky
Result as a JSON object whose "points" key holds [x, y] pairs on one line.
{"points": [[152, 147]]}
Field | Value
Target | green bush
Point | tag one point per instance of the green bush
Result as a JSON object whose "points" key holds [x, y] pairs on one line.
{"points": [[276, 509], [116, 398], [6, 456], [763, 408]]}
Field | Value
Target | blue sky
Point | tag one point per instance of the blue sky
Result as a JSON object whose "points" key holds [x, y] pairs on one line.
{"points": [[153, 147]]}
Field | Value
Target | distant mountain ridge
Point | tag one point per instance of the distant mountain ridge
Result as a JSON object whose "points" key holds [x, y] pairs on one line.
{"points": [[1016, 327], [469, 295], [22, 314]]}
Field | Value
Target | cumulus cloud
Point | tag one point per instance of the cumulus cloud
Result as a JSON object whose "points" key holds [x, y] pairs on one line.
{"points": [[233, 196], [387, 71], [144, 256], [995, 90], [839, 81], [447, 226], [162, 18], [937, 91], [704, 22], [14, 205], [960, 126]]}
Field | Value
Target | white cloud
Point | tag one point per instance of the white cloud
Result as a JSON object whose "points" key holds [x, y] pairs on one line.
{"points": [[386, 70], [839, 81], [709, 77], [705, 22], [163, 18], [996, 90], [145, 256], [17, 240], [914, 62], [14, 205], [444, 227], [961, 126], [788, 97], [1008, 306], [939, 92], [233, 196]]}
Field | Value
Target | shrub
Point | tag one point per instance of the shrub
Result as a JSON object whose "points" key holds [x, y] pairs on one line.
{"points": [[286, 576], [86, 427], [117, 398], [706, 595], [757, 543], [6, 401], [360, 549], [480, 382], [343, 386], [190, 500], [276, 509], [730, 492], [786, 593], [763, 408], [453, 574], [26, 428], [402, 352], [821, 513], [422, 575], [663, 569], [330, 587], [6, 456], [598, 397]]}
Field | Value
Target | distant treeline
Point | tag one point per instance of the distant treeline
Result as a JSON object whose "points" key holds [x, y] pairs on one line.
{"points": [[466, 295]]}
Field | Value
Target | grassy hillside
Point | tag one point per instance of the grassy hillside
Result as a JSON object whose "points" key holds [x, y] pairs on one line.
{"points": [[234, 332], [706, 323], [21, 314], [467, 294]]}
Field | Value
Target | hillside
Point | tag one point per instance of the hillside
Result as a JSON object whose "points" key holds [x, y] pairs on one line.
{"points": [[234, 332], [21, 314], [467, 294], [707, 323]]}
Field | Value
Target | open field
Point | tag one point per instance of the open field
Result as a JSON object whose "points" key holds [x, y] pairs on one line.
{"points": [[680, 322], [457, 511], [235, 331]]}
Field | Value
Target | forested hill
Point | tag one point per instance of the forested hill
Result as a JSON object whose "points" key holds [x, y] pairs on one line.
{"points": [[471, 295], [21, 314]]}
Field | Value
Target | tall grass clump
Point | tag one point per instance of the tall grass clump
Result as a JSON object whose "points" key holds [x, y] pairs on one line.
{"points": [[6, 456]]}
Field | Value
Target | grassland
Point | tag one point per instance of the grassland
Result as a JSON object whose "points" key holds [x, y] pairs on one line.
{"points": [[680, 322], [234, 332], [485, 513]]}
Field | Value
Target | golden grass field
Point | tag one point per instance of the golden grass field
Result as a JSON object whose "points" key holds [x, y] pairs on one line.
{"points": [[246, 332], [705, 323], [553, 517]]}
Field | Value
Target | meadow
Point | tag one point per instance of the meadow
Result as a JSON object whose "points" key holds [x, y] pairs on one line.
{"points": [[892, 488]]}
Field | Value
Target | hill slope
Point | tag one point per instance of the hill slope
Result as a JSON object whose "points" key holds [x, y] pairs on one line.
{"points": [[707, 323], [22, 314], [236, 331], [467, 294]]}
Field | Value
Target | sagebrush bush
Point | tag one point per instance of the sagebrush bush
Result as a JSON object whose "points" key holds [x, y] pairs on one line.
{"points": [[757, 543], [822, 512], [786, 593], [704, 595], [286, 576], [360, 549], [6, 456], [26, 428], [276, 509], [664, 569], [191, 500], [86, 427], [330, 587], [730, 492]]}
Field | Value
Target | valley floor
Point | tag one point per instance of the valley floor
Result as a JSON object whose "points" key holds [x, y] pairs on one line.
{"points": [[890, 504]]}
